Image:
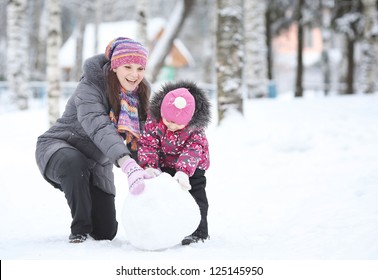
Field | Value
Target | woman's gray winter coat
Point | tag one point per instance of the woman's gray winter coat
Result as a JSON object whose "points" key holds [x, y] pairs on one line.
{"points": [[85, 125]]}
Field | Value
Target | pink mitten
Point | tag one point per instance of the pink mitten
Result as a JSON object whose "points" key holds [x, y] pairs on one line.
{"points": [[134, 175]]}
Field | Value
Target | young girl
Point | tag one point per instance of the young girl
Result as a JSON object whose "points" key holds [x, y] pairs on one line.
{"points": [[174, 141], [76, 155]]}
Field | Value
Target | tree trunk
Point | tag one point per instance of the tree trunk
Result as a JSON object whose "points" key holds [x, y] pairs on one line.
{"points": [[230, 53], [255, 48], [164, 44], [269, 55], [141, 18], [350, 67], [17, 52], [39, 68], [53, 70], [368, 72], [299, 72], [326, 40], [80, 29]]}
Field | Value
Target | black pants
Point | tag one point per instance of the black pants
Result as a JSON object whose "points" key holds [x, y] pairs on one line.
{"points": [[198, 184], [93, 210]]}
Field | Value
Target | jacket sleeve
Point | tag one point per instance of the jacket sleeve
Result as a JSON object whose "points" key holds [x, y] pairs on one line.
{"points": [[149, 145], [93, 116], [192, 154]]}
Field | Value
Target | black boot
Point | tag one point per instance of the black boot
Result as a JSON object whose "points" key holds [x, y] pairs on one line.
{"points": [[77, 238], [195, 237]]}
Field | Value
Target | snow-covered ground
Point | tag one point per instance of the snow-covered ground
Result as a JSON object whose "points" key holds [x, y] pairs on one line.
{"points": [[295, 179]]}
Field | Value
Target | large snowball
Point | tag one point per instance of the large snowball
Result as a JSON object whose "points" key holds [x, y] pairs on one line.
{"points": [[161, 216]]}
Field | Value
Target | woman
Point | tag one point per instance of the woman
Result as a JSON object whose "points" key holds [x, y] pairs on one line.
{"points": [[77, 154]]}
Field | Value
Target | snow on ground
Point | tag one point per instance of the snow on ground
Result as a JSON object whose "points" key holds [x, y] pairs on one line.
{"points": [[295, 179]]}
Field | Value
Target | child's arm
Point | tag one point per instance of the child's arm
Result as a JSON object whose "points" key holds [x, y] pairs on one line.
{"points": [[192, 154]]}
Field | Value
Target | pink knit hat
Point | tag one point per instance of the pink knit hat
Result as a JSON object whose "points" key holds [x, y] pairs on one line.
{"points": [[178, 106], [125, 50]]}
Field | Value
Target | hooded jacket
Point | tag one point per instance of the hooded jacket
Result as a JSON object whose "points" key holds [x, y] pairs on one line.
{"points": [[184, 150], [85, 125]]}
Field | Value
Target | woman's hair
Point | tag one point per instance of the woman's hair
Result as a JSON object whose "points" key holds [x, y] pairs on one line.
{"points": [[112, 90]]}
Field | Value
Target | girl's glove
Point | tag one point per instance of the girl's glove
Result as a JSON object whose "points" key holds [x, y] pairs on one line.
{"points": [[135, 175], [150, 173], [183, 180]]}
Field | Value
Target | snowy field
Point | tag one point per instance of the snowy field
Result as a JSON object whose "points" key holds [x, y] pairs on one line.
{"points": [[295, 179]]}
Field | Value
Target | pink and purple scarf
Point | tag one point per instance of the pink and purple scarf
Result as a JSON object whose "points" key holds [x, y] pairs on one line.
{"points": [[127, 122]]}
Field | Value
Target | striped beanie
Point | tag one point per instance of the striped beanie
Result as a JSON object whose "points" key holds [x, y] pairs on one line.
{"points": [[125, 50]]}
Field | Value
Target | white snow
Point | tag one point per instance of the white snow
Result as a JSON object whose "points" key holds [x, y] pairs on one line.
{"points": [[295, 179], [159, 217]]}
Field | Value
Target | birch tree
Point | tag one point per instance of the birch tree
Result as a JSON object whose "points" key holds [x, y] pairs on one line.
{"points": [[83, 11], [299, 71], [3, 39], [369, 47], [255, 48], [17, 52], [325, 23], [230, 53], [53, 70], [141, 18], [347, 20]]}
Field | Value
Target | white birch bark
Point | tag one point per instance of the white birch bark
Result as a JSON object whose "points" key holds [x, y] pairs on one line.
{"points": [[230, 53], [369, 59], [17, 52], [141, 18], [255, 48], [326, 40], [53, 70]]}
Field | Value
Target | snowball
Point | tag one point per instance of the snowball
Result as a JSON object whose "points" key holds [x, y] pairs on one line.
{"points": [[161, 216]]}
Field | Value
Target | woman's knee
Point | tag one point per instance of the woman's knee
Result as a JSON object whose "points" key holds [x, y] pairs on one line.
{"points": [[75, 161], [107, 233]]}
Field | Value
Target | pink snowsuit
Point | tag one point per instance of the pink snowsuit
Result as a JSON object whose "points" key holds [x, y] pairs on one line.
{"points": [[184, 150]]}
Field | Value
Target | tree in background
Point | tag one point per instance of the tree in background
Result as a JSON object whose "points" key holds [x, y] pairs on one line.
{"points": [[326, 7], [3, 39], [230, 53], [347, 21], [84, 12], [141, 18], [37, 39], [255, 66], [54, 42], [17, 52], [369, 60], [298, 92]]}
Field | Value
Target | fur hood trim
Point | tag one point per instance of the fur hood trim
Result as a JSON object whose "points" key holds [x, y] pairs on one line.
{"points": [[94, 70], [202, 114]]}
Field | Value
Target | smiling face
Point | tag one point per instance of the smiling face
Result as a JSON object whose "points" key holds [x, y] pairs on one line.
{"points": [[130, 75]]}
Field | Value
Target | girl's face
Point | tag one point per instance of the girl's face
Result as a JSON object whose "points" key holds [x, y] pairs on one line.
{"points": [[173, 126], [130, 75]]}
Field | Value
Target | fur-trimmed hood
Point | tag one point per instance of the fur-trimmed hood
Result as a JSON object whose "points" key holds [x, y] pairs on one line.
{"points": [[202, 114]]}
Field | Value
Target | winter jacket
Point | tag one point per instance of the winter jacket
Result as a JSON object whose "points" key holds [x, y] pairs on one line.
{"points": [[86, 126], [185, 149]]}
